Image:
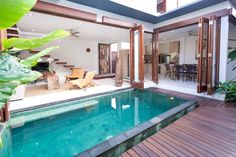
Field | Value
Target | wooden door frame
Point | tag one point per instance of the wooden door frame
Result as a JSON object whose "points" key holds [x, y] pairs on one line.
{"points": [[200, 87], [213, 25], [155, 60], [138, 85]]}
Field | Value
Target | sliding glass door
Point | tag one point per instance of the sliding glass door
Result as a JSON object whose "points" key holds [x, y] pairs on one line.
{"points": [[202, 54], [137, 57]]}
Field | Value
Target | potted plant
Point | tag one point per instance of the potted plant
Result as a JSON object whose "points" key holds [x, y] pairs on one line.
{"points": [[13, 70]]}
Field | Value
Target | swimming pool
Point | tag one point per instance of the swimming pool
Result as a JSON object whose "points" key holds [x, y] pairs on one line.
{"points": [[70, 128]]}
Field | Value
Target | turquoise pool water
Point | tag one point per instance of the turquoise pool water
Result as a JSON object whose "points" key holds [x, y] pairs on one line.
{"points": [[99, 119]]}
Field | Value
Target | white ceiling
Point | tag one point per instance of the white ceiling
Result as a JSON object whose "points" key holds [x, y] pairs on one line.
{"points": [[38, 23], [177, 33]]}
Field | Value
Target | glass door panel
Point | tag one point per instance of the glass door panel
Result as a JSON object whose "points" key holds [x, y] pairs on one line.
{"points": [[137, 57], [202, 54]]}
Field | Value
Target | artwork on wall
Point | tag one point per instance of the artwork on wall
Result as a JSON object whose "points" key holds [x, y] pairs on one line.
{"points": [[104, 58]]}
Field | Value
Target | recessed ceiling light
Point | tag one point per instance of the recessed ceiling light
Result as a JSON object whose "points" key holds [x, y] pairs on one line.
{"points": [[30, 14], [32, 30], [80, 23], [172, 31]]}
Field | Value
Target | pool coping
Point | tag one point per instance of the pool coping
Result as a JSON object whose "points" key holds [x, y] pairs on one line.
{"points": [[66, 100], [115, 146]]}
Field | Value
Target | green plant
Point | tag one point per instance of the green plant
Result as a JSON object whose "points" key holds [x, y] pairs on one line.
{"points": [[11, 11], [230, 90], [13, 70], [232, 57]]}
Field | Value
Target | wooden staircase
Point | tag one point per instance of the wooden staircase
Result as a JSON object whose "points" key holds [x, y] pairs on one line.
{"points": [[13, 32], [65, 64]]}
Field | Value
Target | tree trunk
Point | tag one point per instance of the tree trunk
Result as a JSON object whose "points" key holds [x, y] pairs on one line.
{"points": [[4, 113]]}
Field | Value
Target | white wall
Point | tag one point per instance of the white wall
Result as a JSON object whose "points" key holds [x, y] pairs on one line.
{"points": [[73, 51], [190, 48]]}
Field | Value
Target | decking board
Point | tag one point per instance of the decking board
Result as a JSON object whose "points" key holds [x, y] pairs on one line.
{"points": [[209, 130]]}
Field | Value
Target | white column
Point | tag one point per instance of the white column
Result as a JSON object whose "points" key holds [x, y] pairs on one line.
{"points": [[224, 33]]}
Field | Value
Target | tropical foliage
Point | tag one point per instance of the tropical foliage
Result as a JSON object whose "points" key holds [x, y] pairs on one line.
{"points": [[13, 70], [11, 11], [230, 90], [232, 57]]}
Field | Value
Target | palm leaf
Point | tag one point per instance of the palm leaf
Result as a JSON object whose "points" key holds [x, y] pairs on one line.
{"points": [[32, 61], [13, 10], [232, 56]]}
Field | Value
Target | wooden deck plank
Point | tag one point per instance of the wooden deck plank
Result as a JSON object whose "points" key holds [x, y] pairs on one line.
{"points": [[147, 150], [140, 151], [209, 130], [219, 138], [203, 141], [132, 153]]}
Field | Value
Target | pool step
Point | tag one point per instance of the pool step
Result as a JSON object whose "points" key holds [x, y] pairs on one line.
{"points": [[19, 120]]}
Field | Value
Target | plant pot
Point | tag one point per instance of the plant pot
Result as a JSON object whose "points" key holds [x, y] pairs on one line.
{"points": [[119, 73]]}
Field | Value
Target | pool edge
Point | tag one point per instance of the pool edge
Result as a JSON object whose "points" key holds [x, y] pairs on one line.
{"points": [[122, 142]]}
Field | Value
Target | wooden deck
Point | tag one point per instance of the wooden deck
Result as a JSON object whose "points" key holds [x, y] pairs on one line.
{"points": [[209, 130]]}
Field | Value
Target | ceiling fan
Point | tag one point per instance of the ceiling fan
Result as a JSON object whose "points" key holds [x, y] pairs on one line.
{"points": [[74, 32]]}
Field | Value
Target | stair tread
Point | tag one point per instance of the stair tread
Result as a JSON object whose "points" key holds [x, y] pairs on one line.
{"points": [[61, 62], [69, 66]]}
